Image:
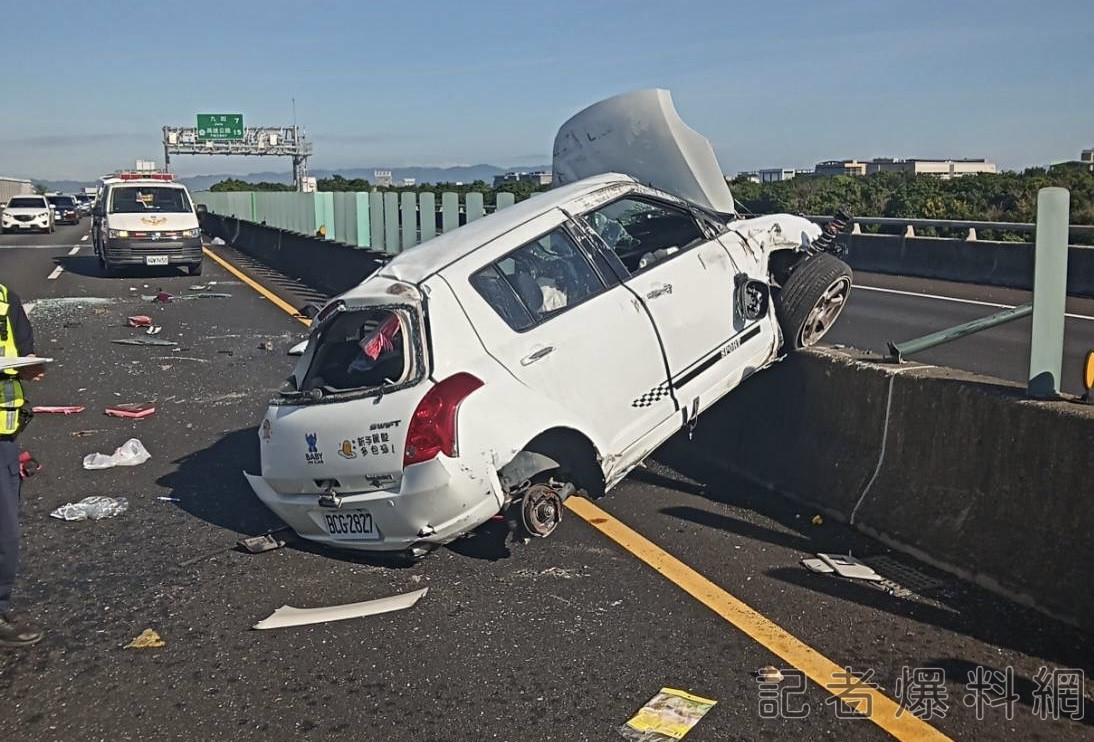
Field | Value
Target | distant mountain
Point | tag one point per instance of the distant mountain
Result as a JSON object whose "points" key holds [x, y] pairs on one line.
{"points": [[64, 186], [460, 174]]}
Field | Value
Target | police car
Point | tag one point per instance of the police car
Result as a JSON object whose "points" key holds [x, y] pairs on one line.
{"points": [[145, 219]]}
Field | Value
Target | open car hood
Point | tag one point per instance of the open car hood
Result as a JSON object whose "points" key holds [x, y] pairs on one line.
{"points": [[640, 134]]}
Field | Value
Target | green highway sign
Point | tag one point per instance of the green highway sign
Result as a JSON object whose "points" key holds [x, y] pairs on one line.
{"points": [[220, 126]]}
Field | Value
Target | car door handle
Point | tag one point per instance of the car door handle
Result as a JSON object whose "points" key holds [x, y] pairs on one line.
{"points": [[537, 355], [665, 288]]}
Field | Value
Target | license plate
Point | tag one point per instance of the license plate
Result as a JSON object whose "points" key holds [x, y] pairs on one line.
{"points": [[349, 524], [155, 260]]}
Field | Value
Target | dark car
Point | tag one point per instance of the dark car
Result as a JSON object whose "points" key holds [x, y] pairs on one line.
{"points": [[83, 201], [65, 209]]}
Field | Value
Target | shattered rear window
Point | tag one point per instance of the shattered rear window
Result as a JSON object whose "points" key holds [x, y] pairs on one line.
{"points": [[359, 350]]}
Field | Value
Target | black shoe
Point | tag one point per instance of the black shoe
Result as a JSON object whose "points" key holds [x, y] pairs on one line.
{"points": [[14, 635]]}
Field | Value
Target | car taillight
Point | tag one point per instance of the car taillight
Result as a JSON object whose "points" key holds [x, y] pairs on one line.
{"points": [[432, 428]]}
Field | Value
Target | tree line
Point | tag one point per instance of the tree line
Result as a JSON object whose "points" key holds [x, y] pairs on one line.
{"points": [[993, 197], [340, 184]]}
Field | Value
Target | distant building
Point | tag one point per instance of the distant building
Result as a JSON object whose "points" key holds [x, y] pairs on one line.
{"points": [[409, 181], [539, 177], [1087, 156], [772, 175], [381, 178], [840, 167], [749, 175], [944, 169]]}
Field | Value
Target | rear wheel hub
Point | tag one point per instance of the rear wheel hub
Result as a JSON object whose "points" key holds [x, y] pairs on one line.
{"points": [[541, 510]]}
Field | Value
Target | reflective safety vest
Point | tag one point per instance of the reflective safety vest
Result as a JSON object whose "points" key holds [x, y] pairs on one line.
{"points": [[11, 391]]}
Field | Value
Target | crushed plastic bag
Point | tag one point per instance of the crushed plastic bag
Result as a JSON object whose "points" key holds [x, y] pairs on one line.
{"points": [[130, 453], [95, 507]]}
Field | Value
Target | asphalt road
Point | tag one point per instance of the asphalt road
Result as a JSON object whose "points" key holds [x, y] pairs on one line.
{"points": [[897, 308], [562, 639]]}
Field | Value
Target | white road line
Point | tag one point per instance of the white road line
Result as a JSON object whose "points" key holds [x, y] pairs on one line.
{"points": [[56, 272], [74, 250], [918, 295], [84, 238]]}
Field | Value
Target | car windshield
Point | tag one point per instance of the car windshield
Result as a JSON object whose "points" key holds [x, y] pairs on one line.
{"points": [[62, 201], [26, 203], [141, 199]]}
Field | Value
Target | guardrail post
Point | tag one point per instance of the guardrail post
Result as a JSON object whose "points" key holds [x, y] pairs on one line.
{"points": [[364, 226], [408, 206], [376, 221], [427, 209], [1046, 350]]}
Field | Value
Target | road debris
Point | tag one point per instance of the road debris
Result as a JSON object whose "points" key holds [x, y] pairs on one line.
{"points": [[287, 615], [60, 409], [199, 287], [253, 545], [817, 565], [28, 465], [95, 507], [817, 520], [168, 499], [139, 320], [148, 639], [131, 409], [144, 341], [769, 674], [843, 565], [267, 345], [667, 716], [130, 453], [153, 330], [260, 544]]}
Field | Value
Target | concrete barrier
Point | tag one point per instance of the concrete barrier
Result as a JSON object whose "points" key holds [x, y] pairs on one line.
{"points": [[330, 267], [959, 470], [1007, 264]]}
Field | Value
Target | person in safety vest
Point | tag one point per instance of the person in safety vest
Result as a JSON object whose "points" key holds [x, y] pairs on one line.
{"points": [[16, 339]]}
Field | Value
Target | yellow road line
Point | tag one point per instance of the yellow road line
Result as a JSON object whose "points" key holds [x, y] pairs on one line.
{"points": [[821, 670], [277, 300]]}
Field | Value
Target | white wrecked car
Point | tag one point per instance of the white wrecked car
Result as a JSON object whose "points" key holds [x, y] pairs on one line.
{"points": [[544, 350]]}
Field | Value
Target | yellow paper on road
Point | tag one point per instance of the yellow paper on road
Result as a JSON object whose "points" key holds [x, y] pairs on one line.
{"points": [[669, 715]]}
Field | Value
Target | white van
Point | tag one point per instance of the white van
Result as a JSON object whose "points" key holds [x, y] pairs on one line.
{"points": [[146, 219]]}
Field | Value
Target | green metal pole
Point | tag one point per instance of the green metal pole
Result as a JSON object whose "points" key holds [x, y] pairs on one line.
{"points": [[1046, 350], [898, 351]]}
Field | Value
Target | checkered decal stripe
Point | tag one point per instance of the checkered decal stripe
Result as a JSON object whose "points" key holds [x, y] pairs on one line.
{"points": [[653, 396]]}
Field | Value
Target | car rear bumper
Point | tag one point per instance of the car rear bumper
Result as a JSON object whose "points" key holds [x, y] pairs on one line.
{"points": [[136, 252], [434, 503]]}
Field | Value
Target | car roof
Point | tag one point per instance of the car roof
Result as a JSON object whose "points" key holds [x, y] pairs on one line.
{"points": [[420, 262]]}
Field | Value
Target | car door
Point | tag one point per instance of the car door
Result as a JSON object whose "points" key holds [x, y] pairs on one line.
{"points": [[563, 325], [685, 278]]}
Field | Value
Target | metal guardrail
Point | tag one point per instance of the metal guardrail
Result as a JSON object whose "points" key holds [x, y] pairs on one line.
{"points": [[885, 221]]}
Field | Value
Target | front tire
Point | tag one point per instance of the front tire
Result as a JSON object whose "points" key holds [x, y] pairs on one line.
{"points": [[812, 299]]}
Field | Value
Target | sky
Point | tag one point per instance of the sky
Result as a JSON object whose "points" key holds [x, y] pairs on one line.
{"points": [[90, 84]]}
